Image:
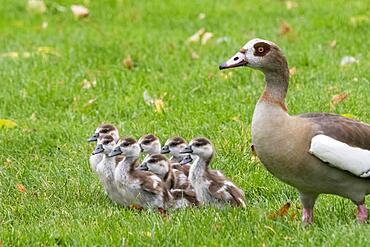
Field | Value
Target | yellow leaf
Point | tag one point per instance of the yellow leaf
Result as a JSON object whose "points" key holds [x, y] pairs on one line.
{"points": [[196, 37], [46, 50], [292, 71], [90, 102], [348, 115], [206, 37], [12, 54], [6, 123], [159, 105]]}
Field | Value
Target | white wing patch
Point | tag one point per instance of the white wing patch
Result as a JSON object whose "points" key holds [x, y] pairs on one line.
{"points": [[341, 155]]}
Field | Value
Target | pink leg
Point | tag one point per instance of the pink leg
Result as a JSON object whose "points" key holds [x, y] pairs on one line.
{"points": [[308, 202], [362, 213], [307, 217]]}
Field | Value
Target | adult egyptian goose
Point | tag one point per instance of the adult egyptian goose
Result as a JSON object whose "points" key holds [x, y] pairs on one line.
{"points": [[311, 151], [176, 181], [211, 186], [173, 146], [140, 188], [106, 167], [101, 130]]}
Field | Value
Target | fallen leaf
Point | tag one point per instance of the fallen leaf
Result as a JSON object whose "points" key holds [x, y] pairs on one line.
{"points": [[348, 115], [333, 44], [206, 37], [201, 16], [236, 118], [6, 123], [80, 11], [264, 244], [253, 150], [196, 37], [347, 60], [36, 6], [21, 188], [12, 54], [90, 102], [147, 98], [159, 105], [285, 28], [44, 25], [194, 55], [46, 50], [291, 5], [292, 71], [336, 99], [283, 211], [359, 19], [226, 75], [223, 39], [33, 116], [128, 63], [86, 84]]}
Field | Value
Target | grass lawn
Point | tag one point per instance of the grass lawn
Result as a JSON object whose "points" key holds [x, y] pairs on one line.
{"points": [[45, 58]]}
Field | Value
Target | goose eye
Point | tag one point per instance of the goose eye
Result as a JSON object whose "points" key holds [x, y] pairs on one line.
{"points": [[260, 49], [125, 144]]}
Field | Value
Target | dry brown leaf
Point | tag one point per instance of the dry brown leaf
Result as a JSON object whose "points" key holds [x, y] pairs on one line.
{"points": [[283, 211], [159, 105], [285, 28], [196, 37], [291, 5], [292, 71], [333, 44], [80, 11], [206, 37], [36, 6], [128, 63], [336, 99], [86, 84], [21, 188], [253, 150]]}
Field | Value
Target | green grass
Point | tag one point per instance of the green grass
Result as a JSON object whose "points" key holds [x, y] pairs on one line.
{"points": [[47, 152]]}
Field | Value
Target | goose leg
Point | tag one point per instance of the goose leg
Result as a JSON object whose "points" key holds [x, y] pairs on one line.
{"points": [[362, 214], [308, 202]]}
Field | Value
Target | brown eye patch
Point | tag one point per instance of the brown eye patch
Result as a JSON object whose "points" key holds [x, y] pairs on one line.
{"points": [[261, 49]]}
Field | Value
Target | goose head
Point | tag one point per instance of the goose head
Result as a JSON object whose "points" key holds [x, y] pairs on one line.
{"points": [[258, 54], [105, 144], [201, 147], [173, 146], [104, 129], [150, 144], [128, 147], [156, 163]]}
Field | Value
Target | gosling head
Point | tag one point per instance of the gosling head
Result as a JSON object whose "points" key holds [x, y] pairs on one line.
{"points": [[150, 144], [259, 54], [173, 146], [104, 129], [201, 147], [156, 163], [105, 144], [128, 147]]}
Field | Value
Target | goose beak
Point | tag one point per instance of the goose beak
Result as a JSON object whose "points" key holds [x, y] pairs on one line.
{"points": [[237, 60], [143, 167], [186, 150], [116, 151], [93, 138], [165, 149], [98, 149], [141, 148], [187, 159]]}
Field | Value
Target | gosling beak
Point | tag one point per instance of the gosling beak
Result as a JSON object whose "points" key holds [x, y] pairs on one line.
{"points": [[187, 159], [116, 151], [98, 149], [237, 60], [143, 166], [165, 149], [93, 138], [186, 150]]}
